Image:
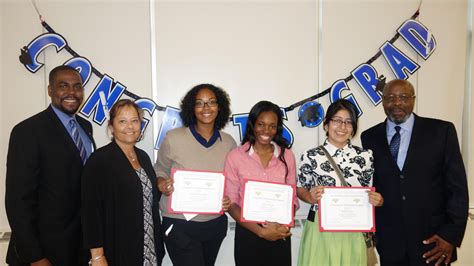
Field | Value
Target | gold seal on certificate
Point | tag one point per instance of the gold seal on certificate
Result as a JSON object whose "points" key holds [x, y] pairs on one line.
{"points": [[197, 192], [346, 209], [268, 202]]}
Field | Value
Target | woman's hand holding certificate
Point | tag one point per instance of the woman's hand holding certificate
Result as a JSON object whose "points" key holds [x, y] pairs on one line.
{"points": [[267, 202], [346, 209], [197, 192]]}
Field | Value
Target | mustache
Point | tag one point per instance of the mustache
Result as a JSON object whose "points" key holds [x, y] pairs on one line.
{"points": [[70, 98], [397, 109]]}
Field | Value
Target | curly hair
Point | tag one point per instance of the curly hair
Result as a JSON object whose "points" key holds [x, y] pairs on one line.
{"points": [[257, 109], [189, 100]]}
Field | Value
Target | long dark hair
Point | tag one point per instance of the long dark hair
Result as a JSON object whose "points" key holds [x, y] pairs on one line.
{"points": [[257, 109], [189, 100]]}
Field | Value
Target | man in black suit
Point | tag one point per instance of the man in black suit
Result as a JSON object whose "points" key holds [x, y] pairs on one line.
{"points": [[45, 159], [420, 173]]}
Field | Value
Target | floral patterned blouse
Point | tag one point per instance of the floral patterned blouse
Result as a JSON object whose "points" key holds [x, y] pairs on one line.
{"points": [[355, 163]]}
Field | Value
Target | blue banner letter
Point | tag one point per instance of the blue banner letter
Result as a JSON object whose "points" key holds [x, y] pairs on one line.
{"points": [[400, 64], [418, 37], [366, 77], [93, 103], [39, 44], [336, 93]]}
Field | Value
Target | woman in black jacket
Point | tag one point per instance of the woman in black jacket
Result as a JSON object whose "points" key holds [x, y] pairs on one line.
{"points": [[120, 214]]}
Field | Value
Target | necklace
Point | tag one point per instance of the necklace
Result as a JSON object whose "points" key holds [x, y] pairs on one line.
{"points": [[132, 157]]}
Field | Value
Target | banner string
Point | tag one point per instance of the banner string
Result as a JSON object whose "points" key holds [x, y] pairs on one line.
{"points": [[161, 108]]}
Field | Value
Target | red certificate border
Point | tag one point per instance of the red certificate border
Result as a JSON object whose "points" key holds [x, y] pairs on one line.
{"points": [[293, 187], [174, 170], [321, 229]]}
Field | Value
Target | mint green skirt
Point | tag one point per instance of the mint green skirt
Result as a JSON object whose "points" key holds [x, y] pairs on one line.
{"points": [[331, 248]]}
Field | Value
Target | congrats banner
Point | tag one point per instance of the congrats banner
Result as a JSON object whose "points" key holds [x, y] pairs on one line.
{"points": [[109, 90]]}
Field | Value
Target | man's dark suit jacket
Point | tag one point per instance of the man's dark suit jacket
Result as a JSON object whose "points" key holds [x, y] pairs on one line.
{"points": [[43, 191], [429, 196]]}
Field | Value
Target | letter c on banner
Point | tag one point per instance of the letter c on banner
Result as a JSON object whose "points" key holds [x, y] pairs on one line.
{"points": [[39, 44]]}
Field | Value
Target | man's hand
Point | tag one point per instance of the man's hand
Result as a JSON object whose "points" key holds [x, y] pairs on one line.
{"points": [[375, 198], [441, 253], [42, 262]]}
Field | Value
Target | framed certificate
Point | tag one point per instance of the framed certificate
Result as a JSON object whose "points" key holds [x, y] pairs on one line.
{"points": [[346, 209], [267, 202], [197, 192]]}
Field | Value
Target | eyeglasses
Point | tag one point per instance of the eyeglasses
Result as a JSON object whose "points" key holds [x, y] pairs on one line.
{"points": [[201, 104], [402, 98], [339, 122]]}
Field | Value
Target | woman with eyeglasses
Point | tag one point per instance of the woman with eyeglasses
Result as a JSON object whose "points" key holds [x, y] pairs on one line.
{"points": [[199, 145], [315, 172]]}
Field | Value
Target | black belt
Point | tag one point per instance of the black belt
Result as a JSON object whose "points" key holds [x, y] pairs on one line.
{"points": [[311, 215]]}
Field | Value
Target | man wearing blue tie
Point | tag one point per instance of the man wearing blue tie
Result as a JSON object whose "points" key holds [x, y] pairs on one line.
{"points": [[420, 173], [45, 158]]}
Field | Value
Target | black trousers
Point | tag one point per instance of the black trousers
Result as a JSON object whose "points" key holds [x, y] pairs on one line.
{"points": [[251, 250], [194, 243], [406, 261]]}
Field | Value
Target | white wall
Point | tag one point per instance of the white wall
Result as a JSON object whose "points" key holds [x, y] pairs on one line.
{"points": [[22, 93], [281, 51], [255, 50], [468, 114]]}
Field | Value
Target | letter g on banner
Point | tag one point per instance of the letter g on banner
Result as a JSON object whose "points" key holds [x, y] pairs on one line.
{"points": [[336, 93]]}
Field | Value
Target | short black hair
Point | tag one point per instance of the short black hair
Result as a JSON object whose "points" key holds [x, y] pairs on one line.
{"points": [[257, 109], [398, 82], [342, 104], [189, 100], [54, 72]]}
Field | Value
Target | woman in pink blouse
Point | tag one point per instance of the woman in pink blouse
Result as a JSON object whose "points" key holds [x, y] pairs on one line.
{"points": [[263, 156]]}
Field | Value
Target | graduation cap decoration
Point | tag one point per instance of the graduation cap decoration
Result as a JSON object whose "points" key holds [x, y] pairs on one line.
{"points": [[25, 57], [380, 83], [310, 114]]}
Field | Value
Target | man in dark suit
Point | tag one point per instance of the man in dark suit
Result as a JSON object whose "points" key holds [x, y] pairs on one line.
{"points": [[420, 173], [45, 159]]}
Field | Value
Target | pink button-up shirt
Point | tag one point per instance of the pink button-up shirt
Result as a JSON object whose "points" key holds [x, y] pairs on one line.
{"points": [[241, 164]]}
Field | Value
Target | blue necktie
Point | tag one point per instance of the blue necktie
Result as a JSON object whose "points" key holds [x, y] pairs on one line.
{"points": [[77, 140], [395, 143]]}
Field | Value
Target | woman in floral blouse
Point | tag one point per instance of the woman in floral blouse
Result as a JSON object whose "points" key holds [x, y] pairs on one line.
{"points": [[315, 172]]}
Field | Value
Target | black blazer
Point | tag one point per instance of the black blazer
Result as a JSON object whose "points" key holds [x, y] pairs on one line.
{"points": [[429, 196], [112, 206], [43, 191]]}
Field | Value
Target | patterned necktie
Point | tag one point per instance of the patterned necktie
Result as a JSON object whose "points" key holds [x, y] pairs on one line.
{"points": [[77, 140], [395, 143]]}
